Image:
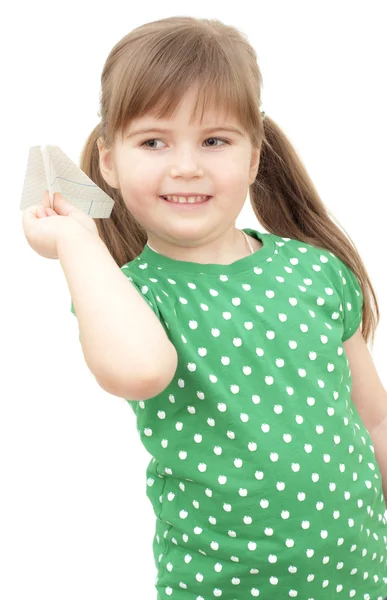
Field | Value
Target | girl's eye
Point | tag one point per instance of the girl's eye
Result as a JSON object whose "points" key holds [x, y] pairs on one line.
{"points": [[211, 138]]}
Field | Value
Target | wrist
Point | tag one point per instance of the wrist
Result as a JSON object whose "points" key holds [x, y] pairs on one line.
{"points": [[72, 234]]}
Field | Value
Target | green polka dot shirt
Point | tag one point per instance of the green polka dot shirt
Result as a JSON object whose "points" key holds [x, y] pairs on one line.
{"points": [[263, 478]]}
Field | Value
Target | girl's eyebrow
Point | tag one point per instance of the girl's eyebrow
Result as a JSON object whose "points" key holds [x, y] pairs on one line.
{"points": [[162, 130]]}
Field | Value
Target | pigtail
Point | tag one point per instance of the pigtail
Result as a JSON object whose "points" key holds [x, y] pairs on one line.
{"points": [[122, 234]]}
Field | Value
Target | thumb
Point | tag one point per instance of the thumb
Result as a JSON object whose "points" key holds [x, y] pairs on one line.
{"points": [[61, 205], [46, 202]]}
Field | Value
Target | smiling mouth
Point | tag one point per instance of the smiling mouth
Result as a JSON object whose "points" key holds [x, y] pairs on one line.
{"points": [[185, 203]]}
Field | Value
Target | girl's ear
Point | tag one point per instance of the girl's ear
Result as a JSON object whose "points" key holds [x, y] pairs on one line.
{"points": [[254, 164], [106, 165]]}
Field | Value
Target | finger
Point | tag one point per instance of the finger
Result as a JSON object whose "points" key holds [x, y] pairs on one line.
{"points": [[46, 200], [29, 217], [48, 210], [62, 206], [29, 213], [43, 211]]}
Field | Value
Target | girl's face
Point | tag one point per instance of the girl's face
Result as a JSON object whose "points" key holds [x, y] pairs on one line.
{"points": [[185, 159]]}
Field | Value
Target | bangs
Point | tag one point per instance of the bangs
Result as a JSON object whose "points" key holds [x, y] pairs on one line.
{"points": [[165, 73]]}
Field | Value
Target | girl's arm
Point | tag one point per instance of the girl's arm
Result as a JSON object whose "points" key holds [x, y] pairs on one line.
{"points": [[123, 341], [379, 442], [369, 398], [368, 393]]}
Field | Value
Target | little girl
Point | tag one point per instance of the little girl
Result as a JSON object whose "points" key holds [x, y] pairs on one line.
{"points": [[236, 349]]}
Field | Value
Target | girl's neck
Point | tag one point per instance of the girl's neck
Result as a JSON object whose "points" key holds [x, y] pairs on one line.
{"points": [[251, 250]]}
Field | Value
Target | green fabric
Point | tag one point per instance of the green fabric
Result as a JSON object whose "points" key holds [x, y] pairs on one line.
{"points": [[263, 478]]}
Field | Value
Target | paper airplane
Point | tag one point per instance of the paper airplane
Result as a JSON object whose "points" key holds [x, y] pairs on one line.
{"points": [[49, 168]]}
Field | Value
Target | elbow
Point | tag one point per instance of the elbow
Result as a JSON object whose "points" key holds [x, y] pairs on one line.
{"points": [[161, 379], [146, 386]]}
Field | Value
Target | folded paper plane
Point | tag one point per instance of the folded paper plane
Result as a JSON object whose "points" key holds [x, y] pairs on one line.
{"points": [[49, 168]]}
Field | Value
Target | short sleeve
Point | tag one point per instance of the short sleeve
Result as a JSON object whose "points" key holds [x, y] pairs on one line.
{"points": [[352, 301]]}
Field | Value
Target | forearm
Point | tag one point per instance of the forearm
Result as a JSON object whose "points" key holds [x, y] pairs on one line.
{"points": [[122, 339], [379, 441]]}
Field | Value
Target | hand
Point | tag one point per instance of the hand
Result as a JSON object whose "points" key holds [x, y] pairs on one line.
{"points": [[43, 225]]}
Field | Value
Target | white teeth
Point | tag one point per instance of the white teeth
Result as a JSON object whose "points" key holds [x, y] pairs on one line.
{"points": [[182, 200]]}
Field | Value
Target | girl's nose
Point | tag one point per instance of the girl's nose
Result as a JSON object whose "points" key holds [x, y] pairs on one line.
{"points": [[187, 164]]}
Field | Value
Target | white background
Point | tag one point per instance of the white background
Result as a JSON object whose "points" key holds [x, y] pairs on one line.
{"points": [[74, 519]]}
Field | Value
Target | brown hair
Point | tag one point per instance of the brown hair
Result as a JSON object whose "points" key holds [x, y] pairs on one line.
{"points": [[180, 52]]}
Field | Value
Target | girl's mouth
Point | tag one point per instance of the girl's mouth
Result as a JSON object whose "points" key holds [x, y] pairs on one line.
{"points": [[186, 205]]}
